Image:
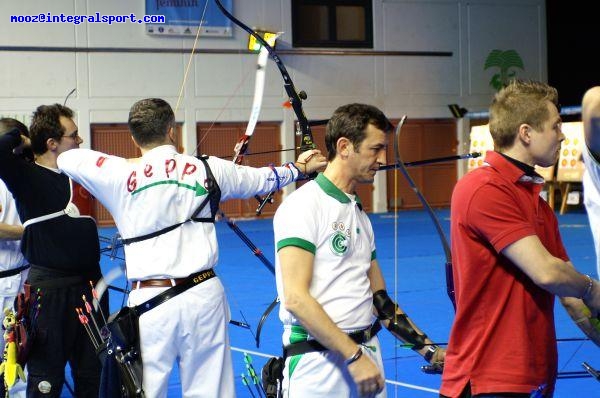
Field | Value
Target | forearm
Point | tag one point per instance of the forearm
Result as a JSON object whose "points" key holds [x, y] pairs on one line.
{"points": [[10, 232], [563, 280], [590, 113]]}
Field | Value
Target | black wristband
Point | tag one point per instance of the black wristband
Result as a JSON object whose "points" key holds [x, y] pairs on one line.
{"points": [[430, 351], [354, 357]]}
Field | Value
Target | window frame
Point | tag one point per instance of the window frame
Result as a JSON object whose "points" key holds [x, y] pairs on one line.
{"points": [[331, 5]]}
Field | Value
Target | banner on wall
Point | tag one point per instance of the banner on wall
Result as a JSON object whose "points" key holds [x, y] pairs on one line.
{"points": [[182, 18]]}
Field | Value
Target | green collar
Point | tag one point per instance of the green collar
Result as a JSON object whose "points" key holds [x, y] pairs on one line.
{"points": [[330, 189]]}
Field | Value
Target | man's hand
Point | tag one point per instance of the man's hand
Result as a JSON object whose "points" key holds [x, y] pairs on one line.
{"points": [[583, 318], [310, 161], [367, 376], [439, 356], [436, 363], [25, 143]]}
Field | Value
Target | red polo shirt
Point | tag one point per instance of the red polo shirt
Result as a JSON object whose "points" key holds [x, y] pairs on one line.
{"points": [[503, 337]]}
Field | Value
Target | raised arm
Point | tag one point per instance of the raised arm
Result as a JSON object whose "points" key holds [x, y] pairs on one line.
{"points": [[590, 115]]}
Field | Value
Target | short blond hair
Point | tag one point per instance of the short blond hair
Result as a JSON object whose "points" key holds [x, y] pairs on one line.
{"points": [[520, 102]]}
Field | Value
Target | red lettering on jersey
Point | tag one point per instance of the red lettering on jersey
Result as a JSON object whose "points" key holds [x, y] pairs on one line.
{"points": [[100, 160], [170, 166], [189, 169], [148, 170], [131, 182]]}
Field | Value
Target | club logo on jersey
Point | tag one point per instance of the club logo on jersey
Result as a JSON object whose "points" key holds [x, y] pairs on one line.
{"points": [[340, 238]]}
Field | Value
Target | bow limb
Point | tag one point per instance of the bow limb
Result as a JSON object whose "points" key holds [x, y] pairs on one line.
{"points": [[427, 206], [295, 98], [259, 88]]}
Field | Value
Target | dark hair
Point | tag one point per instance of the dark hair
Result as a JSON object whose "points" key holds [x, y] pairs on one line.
{"points": [[351, 121], [150, 120], [521, 101], [45, 124], [7, 124]]}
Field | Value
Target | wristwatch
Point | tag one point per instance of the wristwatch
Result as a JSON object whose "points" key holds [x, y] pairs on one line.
{"points": [[430, 351]]}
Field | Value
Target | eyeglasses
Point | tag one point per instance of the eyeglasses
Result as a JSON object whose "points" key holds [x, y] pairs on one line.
{"points": [[74, 135]]}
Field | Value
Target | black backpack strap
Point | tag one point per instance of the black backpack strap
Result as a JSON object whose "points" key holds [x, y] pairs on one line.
{"points": [[152, 234], [214, 194], [213, 197]]}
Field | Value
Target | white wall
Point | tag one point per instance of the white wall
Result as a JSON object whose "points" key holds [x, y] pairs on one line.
{"points": [[222, 86]]}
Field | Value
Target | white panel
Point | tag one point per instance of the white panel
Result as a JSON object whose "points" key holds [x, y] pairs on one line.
{"points": [[36, 34], [421, 75], [135, 75], [124, 34], [421, 26], [496, 27], [331, 76], [37, 75]]}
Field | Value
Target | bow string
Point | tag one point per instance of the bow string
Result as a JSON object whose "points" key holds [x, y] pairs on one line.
{"points": [[443, 239]]}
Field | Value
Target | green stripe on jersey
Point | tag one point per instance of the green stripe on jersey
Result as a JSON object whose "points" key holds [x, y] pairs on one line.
{"points": [[298, 242]]}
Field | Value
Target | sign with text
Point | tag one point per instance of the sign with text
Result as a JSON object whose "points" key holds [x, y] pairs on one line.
{"points": [[182, 18]]}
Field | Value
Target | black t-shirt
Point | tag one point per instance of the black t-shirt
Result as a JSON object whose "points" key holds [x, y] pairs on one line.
{"points": [[66, 244]]}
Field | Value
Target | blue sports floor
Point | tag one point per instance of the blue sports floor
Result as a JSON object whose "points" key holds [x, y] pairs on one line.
{"points": [[420, 287]]}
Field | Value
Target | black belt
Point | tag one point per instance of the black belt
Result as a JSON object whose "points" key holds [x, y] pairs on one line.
{"points": [[191, 281], [14, 271], [302, 347]]}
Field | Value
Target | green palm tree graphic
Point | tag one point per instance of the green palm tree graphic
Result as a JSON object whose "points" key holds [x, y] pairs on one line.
{"points": [[503, 60]]}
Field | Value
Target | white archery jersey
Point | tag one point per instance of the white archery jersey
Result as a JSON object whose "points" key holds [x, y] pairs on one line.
{"points": [[159, 190], [320, 218], [10, 253], [591, 198]]}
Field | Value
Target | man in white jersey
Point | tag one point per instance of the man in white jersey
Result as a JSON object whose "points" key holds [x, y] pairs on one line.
{"points": [[13, 266], [590, 115], [328, 278], [162, 208]]}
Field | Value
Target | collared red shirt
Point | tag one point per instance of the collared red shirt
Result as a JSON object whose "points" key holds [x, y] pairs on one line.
{"points": [[503, 337]]}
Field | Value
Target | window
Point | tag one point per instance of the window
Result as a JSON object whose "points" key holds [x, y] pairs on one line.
{"points": [[332, 23]]}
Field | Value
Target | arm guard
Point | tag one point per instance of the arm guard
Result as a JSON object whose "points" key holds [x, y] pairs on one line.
{"points": [[399, 325]]}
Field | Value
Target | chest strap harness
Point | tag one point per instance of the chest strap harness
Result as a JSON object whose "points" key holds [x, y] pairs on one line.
{"points": [[213, 198]]}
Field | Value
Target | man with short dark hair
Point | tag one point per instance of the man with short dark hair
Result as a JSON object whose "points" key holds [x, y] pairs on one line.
{"points": [[509, 259], [62, 248], [164, 206], [328, 277]]}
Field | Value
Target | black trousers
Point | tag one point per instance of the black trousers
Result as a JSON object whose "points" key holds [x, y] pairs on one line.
{"points": [[60, 339]]}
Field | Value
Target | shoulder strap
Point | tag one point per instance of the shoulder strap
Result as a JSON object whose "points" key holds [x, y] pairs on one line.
{"points": [[214, 194], [213, 197]]}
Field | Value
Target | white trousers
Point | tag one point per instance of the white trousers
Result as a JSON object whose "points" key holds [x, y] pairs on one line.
{"points": [[324, 374], [192, 329]]}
